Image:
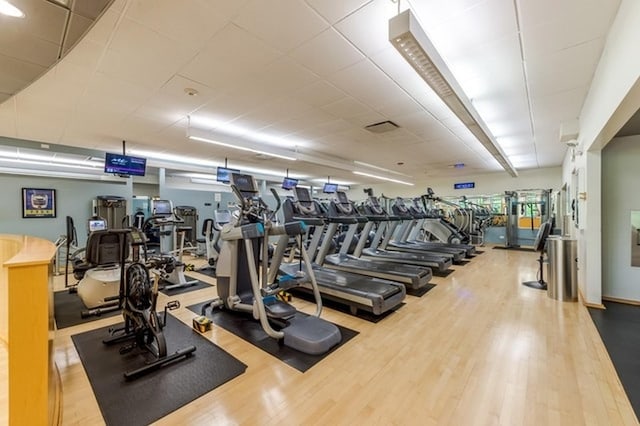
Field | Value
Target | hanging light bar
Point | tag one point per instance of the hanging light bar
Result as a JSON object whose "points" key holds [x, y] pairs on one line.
{"points": [[406, 35], [383, 178]]}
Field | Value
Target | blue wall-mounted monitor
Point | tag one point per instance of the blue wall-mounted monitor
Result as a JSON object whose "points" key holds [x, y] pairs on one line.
{"points": [[289, 183], [124, 165], [330, 188], [224, 174]]}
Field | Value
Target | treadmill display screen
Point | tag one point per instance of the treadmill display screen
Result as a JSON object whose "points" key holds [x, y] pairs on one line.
{"points": [[342, 198], [302, 194]]}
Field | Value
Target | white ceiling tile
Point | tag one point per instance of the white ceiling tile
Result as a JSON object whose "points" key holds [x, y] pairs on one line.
{"points": [[229, 56], [283, 76], [142, 56], [104, 27], [19, 74], [193, 23], [115, 95], [544, 11], [336, 10], [283, 24], [564, 70], [368, 27], [273, 112], [482, 23], [319, 93], [365, 82], [326, 53], [346, 107], [366, 119]]}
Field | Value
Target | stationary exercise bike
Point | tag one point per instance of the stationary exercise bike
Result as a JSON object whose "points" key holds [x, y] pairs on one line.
{"points": [[168, 265], [138, 297]]}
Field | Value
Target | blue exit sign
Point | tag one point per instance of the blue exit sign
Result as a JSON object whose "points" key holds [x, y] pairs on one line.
{"points": [[464, 185]]}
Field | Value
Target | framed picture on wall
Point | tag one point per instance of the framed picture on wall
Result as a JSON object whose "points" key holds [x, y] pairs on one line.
{"points": [[38, 203]]}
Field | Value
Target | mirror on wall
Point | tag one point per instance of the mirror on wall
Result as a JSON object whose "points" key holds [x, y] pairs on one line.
{"points": [[635, 238]]}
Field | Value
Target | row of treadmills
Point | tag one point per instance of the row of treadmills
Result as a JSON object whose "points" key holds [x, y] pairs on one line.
{"points": [[373, 278]]}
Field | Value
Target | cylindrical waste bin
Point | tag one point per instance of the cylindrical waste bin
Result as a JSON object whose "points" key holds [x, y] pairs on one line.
{"points": [[562, 281]]}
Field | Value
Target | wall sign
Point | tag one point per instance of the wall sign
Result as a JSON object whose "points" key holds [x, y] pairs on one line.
{"points": [[464, 185], [38, 203]]}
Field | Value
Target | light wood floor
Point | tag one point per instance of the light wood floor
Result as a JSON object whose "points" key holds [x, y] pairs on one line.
{"points": [[479, 349]]}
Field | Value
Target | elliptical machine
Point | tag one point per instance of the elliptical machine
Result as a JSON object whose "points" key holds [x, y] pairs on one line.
{"points": [[243, 270], [138, 298]]}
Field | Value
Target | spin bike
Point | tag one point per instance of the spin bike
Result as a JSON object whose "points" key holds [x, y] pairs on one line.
{"points": [[243, 270], [138, 297]]}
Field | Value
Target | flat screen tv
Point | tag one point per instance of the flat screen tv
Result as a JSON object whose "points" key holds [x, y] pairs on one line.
{"points": [[330, 188], [224, 174], [124, 165], [289, 183]]}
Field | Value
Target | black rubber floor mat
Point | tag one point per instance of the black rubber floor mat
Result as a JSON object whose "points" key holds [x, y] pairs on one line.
{"points": [[619, 328], [180, 290], [250, 330], [208, 271], [514, 248], [152, 396], [420, 291], [68, 307]]}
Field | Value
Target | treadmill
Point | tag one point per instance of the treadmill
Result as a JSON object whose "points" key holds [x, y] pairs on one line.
{"points": [[358, 292], [414, 277], [404, 237], [342, 206]]}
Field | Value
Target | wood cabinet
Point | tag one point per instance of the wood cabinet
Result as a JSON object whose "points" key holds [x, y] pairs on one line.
{"points": [[27, 328]]}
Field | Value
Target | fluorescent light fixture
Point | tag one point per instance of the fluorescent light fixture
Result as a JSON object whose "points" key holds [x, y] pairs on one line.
{"points": [[382, 169], [410, 40], [204, 136], [46, 163], [8, 9], [163, 156], [383, 178], [241, 148]]}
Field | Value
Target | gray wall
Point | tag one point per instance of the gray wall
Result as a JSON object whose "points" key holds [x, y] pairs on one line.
{"points": [[620, 196], [73, 198]]}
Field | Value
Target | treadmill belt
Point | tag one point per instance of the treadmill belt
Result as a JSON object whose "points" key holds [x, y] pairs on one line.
{"points": [[341, 307]]}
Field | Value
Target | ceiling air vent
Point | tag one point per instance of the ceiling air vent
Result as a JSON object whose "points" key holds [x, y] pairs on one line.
{"points": [[382, 127]]}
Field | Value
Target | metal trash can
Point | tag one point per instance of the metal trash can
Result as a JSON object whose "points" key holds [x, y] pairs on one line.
{"points": [[562, 281]]}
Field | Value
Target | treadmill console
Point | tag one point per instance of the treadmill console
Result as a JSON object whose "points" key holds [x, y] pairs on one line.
{"points": [[375, 207], [244, 183], [304, 203], [343, 204]]}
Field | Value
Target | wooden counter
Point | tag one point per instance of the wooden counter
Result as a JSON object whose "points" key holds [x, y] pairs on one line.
{"points": [[27, 327]]}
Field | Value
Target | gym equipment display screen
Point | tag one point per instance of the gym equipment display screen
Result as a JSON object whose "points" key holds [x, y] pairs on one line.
{"points": [[124, 165], [302, 194], [97, 225], [330, 188], [289, 183], [161, 207], [224, 174], [244, 183]]}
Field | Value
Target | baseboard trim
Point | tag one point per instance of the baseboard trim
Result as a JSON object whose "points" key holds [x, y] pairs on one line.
{"points": [[619, 300]]}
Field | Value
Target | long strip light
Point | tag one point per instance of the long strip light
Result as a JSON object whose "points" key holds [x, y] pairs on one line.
{"points": [[362, 163], [383, 178], [241, 148], [406, 35], [202, 136], [8, 9]]}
